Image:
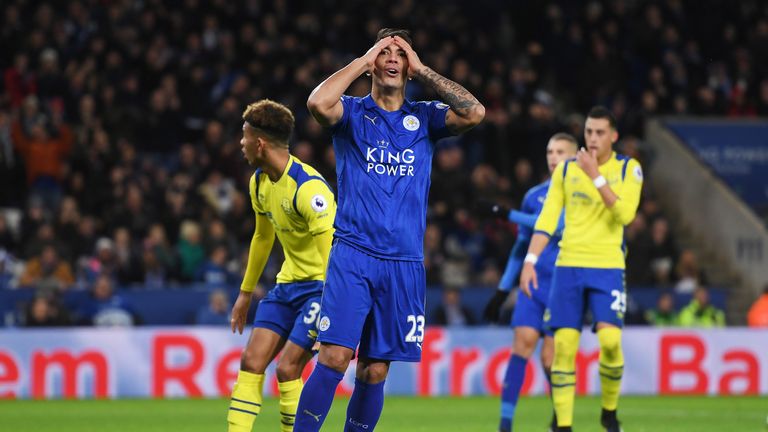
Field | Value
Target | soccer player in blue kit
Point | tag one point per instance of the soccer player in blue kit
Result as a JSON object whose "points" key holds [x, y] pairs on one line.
{"points": [[528, 317], [375, 287]]}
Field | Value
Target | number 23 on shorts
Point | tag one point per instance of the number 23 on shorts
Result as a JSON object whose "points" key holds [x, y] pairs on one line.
{"points": [[416, 333]]}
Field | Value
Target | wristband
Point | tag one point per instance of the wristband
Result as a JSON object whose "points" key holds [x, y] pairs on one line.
{"points": [[599, 181], [531, 258]]}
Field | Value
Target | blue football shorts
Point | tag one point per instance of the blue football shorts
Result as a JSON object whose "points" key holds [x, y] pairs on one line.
{"points": [[529, 312], [292, 310], [375, 303], [576, 288]]}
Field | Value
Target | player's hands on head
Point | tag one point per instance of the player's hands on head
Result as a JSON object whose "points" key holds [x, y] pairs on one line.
{"points": [[492, 209], [370, 56], [528, 279], [587, 161], [414, 63], [240, 311], [493, 308]]}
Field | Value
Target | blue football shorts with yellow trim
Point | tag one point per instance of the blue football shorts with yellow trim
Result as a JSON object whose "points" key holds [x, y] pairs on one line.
{"points": [[376, 303], [576, 288], [292, 311]]}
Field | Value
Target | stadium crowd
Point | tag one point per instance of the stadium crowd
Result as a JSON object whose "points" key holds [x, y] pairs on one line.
{"points": [[120, 123]]}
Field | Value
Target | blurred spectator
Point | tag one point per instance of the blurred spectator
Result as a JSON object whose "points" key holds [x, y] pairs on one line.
{"points": [[44, 151], [214, 271], [102, 262], [689, 276], [45, 236], [451, 312], [700, 313], [758, 312], [155, 275], [67, 221], [450, 184], [47, 272], [42, 311], [190, 249], [133, 213], [663, 252], [165, 256], [216, 313], [127, 260], [217, 235], [434, 258], [106, 308], [86, 238], [664, 315], [19, 80], [218, 192]]}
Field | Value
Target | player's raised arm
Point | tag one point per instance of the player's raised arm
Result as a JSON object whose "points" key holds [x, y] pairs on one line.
{"points": [[628, 195], [466, 111], [622, 202], [324, 103]]}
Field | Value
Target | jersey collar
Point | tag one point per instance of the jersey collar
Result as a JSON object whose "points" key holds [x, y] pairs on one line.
{"points": [[370, 104], [285, 171]]}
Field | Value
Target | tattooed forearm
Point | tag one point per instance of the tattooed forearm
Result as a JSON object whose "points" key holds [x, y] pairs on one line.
{"points": [[452, 93]]}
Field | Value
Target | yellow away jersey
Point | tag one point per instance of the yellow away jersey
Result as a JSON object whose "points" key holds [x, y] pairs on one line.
{"points": [[299, 205], [594, 234]]}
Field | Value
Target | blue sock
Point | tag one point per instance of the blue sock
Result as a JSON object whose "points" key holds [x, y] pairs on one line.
{"points": [[316, 398], [513, 382], [364, 407]]}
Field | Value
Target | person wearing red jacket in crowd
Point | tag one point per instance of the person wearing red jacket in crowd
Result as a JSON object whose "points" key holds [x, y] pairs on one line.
{"points": [[758, 313]]}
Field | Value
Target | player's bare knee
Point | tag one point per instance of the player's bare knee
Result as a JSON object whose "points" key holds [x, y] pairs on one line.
{"points": [[251, 362], [524, 347], [335, 357], [288, 369], [372, 372]]}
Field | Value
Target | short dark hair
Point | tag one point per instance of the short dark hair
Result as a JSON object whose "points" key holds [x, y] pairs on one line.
{"points": [[601, 112], [386, 32], [563, 136], [272, 119]]}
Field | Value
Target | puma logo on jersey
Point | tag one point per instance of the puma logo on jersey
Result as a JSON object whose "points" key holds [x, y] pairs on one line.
{"points": [[372, 119]]}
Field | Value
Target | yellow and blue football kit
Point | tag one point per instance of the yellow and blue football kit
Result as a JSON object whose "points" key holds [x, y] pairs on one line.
{"points": [[299, 208], [590, 266], [589, 272]]}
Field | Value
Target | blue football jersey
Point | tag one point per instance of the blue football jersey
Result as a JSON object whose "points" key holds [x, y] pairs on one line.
{"points": [[533, 202], [383, 168]]}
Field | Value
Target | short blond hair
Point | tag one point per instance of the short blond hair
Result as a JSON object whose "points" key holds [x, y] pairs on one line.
{"points": [[563, 136]]}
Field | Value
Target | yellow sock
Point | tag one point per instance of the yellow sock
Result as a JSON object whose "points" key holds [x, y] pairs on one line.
{"points": [[611, 366], [289, 401], [564, 374], [245, 404]]}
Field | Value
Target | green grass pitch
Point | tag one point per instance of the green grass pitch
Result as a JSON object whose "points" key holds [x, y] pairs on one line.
{"points": [[638, 414]]}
